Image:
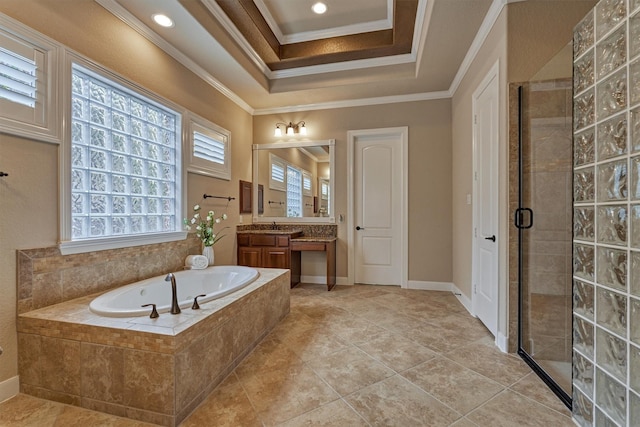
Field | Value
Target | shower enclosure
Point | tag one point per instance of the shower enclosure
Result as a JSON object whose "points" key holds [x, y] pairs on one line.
{"points": [[544, 223]]}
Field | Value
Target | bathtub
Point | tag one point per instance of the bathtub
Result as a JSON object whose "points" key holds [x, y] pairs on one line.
{"points": [[213, 282]]}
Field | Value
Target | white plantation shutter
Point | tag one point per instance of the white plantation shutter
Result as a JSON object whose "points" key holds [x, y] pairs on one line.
{"points": [[209, 148], [306, 183], [277, 177], [17, 78], [28, 80]]}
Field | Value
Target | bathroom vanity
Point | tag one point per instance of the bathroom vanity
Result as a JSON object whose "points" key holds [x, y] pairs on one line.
{"points": [[268, 248]]}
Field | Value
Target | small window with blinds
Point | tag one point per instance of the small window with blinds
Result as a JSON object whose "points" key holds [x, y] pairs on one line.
{"points": [[306, 183], [28, 78], [277, 177], [209, 149], [18, 78]]}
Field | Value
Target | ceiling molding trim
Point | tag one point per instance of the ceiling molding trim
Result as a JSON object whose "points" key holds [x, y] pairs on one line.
{"points": [[395, 99], [360, 64], [487, 24], [271, 22], [425, 6], [121, 13], [226, 23], [346, 30], [357, 64], [382, 24]]}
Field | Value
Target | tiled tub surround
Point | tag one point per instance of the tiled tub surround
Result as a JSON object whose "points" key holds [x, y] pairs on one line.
{"points": [[153, 370], [606, 254], [45, 277]]}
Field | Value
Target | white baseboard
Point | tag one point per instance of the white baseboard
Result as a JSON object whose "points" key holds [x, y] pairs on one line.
{"points": [[9, 388], [466, 302], [320, 280], [502, 342], [429, 286]]}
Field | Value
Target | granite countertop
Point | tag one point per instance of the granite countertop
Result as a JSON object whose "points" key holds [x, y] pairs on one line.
{"points": [[314, 239], [270, 232]]}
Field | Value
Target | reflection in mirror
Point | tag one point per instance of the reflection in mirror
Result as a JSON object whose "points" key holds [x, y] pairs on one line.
{"points": [[296, 181]]}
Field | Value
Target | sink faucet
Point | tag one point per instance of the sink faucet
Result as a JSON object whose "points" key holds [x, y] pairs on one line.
{"points": [[274, 226], [175, 308]]}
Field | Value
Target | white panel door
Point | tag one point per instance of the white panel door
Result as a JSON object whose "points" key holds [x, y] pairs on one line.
{"points": [[485, 289], [378, 209]]}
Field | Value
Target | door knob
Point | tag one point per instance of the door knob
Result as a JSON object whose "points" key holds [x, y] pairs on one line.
{"points": [[359, 228], [492, 238]]}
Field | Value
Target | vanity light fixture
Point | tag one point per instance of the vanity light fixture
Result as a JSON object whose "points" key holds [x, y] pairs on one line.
{"points": [[291, 129], [319, 8], [162, 20]]}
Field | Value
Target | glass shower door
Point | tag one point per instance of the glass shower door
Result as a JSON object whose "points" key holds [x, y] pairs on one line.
{"points": [[544, 219]]}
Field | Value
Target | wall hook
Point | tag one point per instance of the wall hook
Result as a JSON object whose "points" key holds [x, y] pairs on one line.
{"points": [[3, 174]]}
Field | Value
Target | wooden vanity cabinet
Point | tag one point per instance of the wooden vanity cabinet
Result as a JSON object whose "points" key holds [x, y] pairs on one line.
{"points": [[269, 251]]}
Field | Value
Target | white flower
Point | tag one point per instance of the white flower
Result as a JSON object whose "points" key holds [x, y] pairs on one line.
{"points": [[198, 228], [224, 216], [217, 220], [196, 207], [193, 220], [211, 213], [208, 217]]}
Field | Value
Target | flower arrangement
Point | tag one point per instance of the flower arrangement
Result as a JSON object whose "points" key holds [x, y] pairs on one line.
{"points": [[204, 226]]}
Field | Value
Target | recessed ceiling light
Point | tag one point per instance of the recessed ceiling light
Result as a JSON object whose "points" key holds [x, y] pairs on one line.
{"points": [[163, 20], [319, 8]]}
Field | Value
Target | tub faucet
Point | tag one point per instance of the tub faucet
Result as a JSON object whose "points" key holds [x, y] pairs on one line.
{"points": [[175, 308]]}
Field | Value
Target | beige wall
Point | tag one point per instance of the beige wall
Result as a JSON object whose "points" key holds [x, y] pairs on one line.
{"points": [[29, 208], [524, 38], [429, 125]]}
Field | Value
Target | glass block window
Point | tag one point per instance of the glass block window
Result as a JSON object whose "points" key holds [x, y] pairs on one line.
{"points": [[209, 149], [294, 192], [124, 160]]}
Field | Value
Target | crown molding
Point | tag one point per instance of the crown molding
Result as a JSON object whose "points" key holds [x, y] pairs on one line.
{"points": [[382, 24], [414, 97], [425, 6], [120, 12], [487, 24]]}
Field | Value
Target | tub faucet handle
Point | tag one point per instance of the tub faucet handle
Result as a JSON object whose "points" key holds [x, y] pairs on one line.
{"points": [[154, 313], [195, 305]]}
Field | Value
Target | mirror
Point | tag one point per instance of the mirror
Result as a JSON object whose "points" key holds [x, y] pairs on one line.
{"points": [[296, 181]]}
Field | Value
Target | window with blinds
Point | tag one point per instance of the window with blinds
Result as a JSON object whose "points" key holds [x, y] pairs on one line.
{"points": [[306, 183], [209, 149], [28, 81], [18, 78], [277, 177]]}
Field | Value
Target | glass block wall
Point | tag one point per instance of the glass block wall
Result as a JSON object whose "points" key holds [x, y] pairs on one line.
{"points": [[606, 217]]}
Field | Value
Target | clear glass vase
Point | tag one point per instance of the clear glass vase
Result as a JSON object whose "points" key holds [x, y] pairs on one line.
{"points": [[208, 252]]}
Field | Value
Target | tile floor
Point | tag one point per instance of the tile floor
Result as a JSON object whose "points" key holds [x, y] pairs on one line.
{"points": [[358, 356]]}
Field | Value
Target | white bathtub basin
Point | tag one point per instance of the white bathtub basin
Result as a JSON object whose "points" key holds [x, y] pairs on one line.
{"points": [[214, 282]]}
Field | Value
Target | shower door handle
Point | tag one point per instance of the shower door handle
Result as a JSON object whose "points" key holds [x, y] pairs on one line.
{"points": [[518, 220], [492, 238]]}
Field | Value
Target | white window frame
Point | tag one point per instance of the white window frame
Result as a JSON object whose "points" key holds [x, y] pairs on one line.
{"points": [[274, 184], [69, 246], [203, 166], [44, 121]]}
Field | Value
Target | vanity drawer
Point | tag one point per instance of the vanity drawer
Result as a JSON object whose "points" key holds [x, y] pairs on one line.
{"points": [[243, 240], [308, 246], [263, 240]]}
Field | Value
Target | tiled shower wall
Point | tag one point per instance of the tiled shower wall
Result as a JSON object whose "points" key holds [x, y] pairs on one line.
{"points": [[606, 254]]}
